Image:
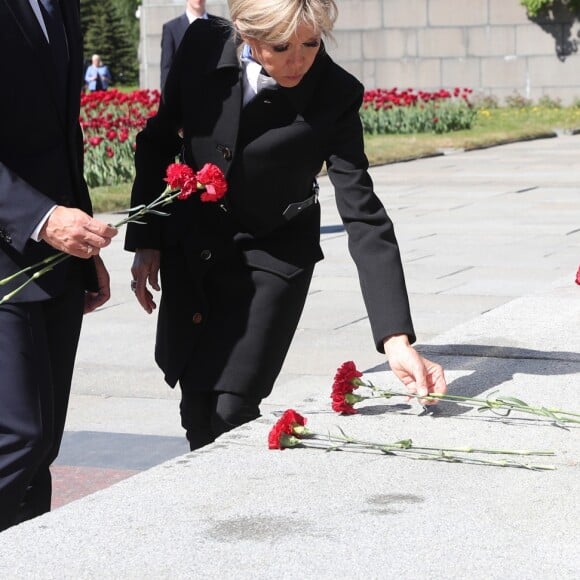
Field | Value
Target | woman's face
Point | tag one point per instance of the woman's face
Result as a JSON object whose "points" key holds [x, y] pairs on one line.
{"points": [[288, 63]]}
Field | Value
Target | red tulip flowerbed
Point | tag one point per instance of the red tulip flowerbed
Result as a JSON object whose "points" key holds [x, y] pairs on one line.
{"points": [[110, 121], [404, 112]]}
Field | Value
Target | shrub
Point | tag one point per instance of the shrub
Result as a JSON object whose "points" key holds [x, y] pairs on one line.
{"points": [[549, 103], [482, 101], [535, 7], [517, 101]]}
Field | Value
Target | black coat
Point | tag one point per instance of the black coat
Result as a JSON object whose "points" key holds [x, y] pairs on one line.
{"points": [[40, 143], [271, 152], [171, 36]]}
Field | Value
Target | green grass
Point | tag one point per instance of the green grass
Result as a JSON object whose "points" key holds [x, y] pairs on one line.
{"points": [[493, 127], [111, 198]]}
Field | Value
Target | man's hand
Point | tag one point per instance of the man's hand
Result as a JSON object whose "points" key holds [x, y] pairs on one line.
{"points": [[95, 299], [419, 375], [145, 270], [74, 232]]}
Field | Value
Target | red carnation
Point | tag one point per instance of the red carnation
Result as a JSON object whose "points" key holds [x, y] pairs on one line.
{"points": [[340, 405], [181, 176], [284, 432], [578, 276], [345, 382], [214, 182]]}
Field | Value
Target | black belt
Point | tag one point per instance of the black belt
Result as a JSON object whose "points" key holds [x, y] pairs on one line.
{"points": [[294, 209]]}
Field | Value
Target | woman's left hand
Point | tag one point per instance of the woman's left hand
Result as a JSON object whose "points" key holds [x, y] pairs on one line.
{"points": [[145, 269], [419, 375]]}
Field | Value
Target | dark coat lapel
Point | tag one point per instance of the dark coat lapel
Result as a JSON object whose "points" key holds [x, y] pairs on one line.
{"points": [[34, 34], [182, 24], [24, 15], [222, 141]]}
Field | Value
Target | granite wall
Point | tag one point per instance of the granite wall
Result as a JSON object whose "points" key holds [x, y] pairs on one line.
{"points": [[490, 46]]}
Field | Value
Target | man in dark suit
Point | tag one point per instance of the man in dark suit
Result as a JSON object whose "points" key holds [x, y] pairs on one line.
{"points": [[44, 208], [173, 32]]}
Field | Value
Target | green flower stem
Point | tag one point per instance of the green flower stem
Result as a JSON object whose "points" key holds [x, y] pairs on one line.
{"points": [[56, 259], [482, 404], [50, 262], [334, 443], [407, 445], [29, 268], [164, 199]]}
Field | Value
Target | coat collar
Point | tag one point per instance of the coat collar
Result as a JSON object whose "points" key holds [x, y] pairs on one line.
{"points": [[300, 95]]}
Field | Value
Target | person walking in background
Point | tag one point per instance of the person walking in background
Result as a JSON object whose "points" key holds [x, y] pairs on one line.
{"points": [[235, 274], [173, 31], [97, 75], [44, 208]]}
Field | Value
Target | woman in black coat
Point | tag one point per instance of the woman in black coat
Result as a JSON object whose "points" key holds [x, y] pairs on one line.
{"points": [[235, 274]]}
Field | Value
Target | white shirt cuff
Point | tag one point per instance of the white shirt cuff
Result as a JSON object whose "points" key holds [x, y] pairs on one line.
{"points": [[36, 232]]}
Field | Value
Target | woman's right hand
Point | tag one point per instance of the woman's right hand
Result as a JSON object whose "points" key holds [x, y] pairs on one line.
{"points": [[145, 269]]}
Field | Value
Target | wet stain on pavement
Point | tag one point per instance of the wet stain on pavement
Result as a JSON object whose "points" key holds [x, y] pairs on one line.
{"points": [[391, 503]]}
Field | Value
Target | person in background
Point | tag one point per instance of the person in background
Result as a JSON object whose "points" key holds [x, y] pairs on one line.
{"points": [[45, 208], [97, 75], [173, 31], [260, 98]]}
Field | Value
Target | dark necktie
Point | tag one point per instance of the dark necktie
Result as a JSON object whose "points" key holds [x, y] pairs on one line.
{"points": [[54, 23]]}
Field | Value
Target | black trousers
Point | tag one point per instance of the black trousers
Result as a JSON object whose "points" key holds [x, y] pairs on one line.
{"points": [[38, 343], [253, 317], [207, 415]]}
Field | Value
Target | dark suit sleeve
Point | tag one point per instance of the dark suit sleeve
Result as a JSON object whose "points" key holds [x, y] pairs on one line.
{"points": [[371, 235], [167, 51], [18, 220]]}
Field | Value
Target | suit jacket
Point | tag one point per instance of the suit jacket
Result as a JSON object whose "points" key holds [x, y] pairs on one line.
{"points": [[41, 147], [171, 36], [271, 151]]}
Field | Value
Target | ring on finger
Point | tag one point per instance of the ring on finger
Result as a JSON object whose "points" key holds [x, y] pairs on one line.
{"points": [[133, 285]]}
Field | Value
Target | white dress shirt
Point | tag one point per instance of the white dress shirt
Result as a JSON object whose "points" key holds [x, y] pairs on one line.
{"points": [[36, 232], [191, 16], [36, 9]]}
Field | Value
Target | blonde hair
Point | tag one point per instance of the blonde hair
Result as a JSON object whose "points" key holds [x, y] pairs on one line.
{"points": [[276, 21]]}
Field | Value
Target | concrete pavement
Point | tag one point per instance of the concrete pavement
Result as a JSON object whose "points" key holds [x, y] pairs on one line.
{"points": [[476, 230], [490, 242]]}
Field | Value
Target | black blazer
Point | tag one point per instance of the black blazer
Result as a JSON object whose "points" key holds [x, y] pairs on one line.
{"points": [[271, 151], [40, 143], [171, 36]]}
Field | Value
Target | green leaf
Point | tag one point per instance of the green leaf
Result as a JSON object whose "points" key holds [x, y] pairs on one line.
{"points": [[513, 400]]}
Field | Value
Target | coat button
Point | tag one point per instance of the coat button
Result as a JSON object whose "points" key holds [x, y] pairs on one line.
{"points": [[205, 255], [225, 151], [197, 318]]}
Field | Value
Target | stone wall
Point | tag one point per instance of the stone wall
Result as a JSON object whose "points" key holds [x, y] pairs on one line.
{"points": [[490, 46]]}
